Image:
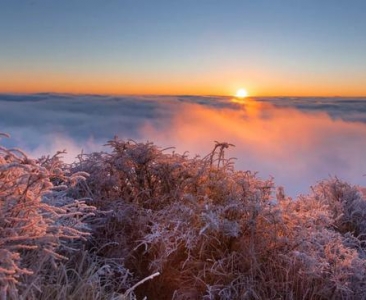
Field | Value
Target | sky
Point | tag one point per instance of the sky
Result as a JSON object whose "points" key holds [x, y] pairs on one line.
{"points": [[297, 141], [187, 47]]}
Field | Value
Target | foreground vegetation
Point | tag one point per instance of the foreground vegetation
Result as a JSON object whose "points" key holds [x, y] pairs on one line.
{"points": [[140, 222]]}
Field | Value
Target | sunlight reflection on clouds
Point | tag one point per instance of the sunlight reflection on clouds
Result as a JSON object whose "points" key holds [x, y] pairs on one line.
{"points": [[295, 147], [297, 141]]}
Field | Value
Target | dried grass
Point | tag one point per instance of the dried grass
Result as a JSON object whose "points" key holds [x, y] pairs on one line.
{"points": [[207, 230]]}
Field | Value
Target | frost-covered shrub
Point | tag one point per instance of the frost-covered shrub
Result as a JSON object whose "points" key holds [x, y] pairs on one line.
{"points": [[346, 203], [172, 227], [216, 233], [38, 222]]}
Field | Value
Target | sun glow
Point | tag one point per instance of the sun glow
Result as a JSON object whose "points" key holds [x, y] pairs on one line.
{"points": [[241, 93]]}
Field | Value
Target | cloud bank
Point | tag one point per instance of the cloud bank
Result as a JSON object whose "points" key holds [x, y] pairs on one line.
{"points": [[298, 141]]}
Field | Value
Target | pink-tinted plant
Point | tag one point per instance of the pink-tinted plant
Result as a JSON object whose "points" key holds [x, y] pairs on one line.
{"points": [[168, 226], [216, 233], [37, 220]]}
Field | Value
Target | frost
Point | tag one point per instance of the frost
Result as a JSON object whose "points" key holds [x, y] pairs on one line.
{"points": [[106, 226]]}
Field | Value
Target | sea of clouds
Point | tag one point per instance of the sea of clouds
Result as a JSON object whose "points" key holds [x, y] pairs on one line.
{"points": [[298, 141]]}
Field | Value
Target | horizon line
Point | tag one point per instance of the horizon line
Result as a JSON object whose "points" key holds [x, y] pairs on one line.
{"points": [[178, 94]]}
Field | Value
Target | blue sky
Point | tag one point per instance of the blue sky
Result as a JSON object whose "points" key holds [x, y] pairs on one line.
{"points": [[269, 46]]}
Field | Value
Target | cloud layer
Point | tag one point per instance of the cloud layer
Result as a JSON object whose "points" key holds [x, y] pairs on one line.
{"points": [[296, 140]]}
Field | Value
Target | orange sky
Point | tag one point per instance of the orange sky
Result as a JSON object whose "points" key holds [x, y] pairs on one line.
{"points": [[302, 48], [224, 82]]}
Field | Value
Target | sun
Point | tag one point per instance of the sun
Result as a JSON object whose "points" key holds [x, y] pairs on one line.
{"points": [[241, 93]]}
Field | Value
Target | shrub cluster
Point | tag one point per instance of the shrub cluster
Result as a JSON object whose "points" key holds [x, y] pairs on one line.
{"points": [[216, 233], [42, 230], [159, 224]]}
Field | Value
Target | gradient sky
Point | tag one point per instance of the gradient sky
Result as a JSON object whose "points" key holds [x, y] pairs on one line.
{"points": [[312, 47]]}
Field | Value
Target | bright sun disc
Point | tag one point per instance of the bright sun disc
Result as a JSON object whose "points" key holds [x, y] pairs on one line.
{"points": [[241, 93]]}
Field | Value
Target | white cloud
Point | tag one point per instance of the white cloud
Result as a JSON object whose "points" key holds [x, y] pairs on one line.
{"points": [[298, 141]]}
